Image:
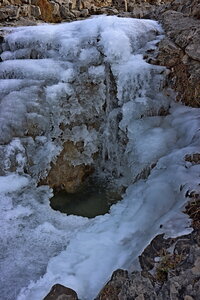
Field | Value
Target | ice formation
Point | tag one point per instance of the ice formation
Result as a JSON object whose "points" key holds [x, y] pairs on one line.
{"points": [[74, 74]]}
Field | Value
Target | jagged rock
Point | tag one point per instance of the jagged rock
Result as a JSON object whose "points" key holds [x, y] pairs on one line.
{"points": [[189, 7], [124, 286], [60, 292], [180, 52], [181, 267], [170, 54]]}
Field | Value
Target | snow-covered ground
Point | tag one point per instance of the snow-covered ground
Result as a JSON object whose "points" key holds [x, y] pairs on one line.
{"points": [[40, 78]]}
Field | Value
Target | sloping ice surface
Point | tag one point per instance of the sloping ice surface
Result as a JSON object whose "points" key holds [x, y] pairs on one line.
{"points": [[44, 68]]}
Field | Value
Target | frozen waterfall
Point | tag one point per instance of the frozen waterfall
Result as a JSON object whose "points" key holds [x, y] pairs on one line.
{"points": [[56, 82]]}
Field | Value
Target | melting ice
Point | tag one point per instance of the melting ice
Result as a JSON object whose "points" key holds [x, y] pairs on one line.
{"points": [[73, 74]]}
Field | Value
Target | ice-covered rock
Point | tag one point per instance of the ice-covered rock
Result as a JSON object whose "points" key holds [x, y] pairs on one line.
{"points": [[72, 83]]}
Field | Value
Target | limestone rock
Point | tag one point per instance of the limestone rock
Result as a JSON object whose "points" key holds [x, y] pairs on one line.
{"points": [[180, 52], [60, 292], [63, 175]]}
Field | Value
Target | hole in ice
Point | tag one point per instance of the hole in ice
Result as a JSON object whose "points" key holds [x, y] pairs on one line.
{"points": [[93, 199]]}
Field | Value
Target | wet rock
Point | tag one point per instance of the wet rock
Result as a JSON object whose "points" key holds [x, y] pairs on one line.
{"points": [[60, 292]]}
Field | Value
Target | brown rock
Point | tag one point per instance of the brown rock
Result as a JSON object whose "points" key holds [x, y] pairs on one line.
{"points": [[47, 11], [169, 53], [63, 175], [60, 292]]}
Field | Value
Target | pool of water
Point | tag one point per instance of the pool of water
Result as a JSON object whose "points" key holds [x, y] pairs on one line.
{"points": [[94, 199]]}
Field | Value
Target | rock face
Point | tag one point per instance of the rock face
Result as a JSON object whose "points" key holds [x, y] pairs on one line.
{"points": [[24, 11], [179, 50], [170, 275]]}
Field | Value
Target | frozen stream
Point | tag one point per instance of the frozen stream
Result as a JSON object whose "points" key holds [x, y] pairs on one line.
{"points": [[73, 74]]}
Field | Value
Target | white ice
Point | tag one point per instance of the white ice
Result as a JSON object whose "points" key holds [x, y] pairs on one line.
{"points": [[66, 74]]}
